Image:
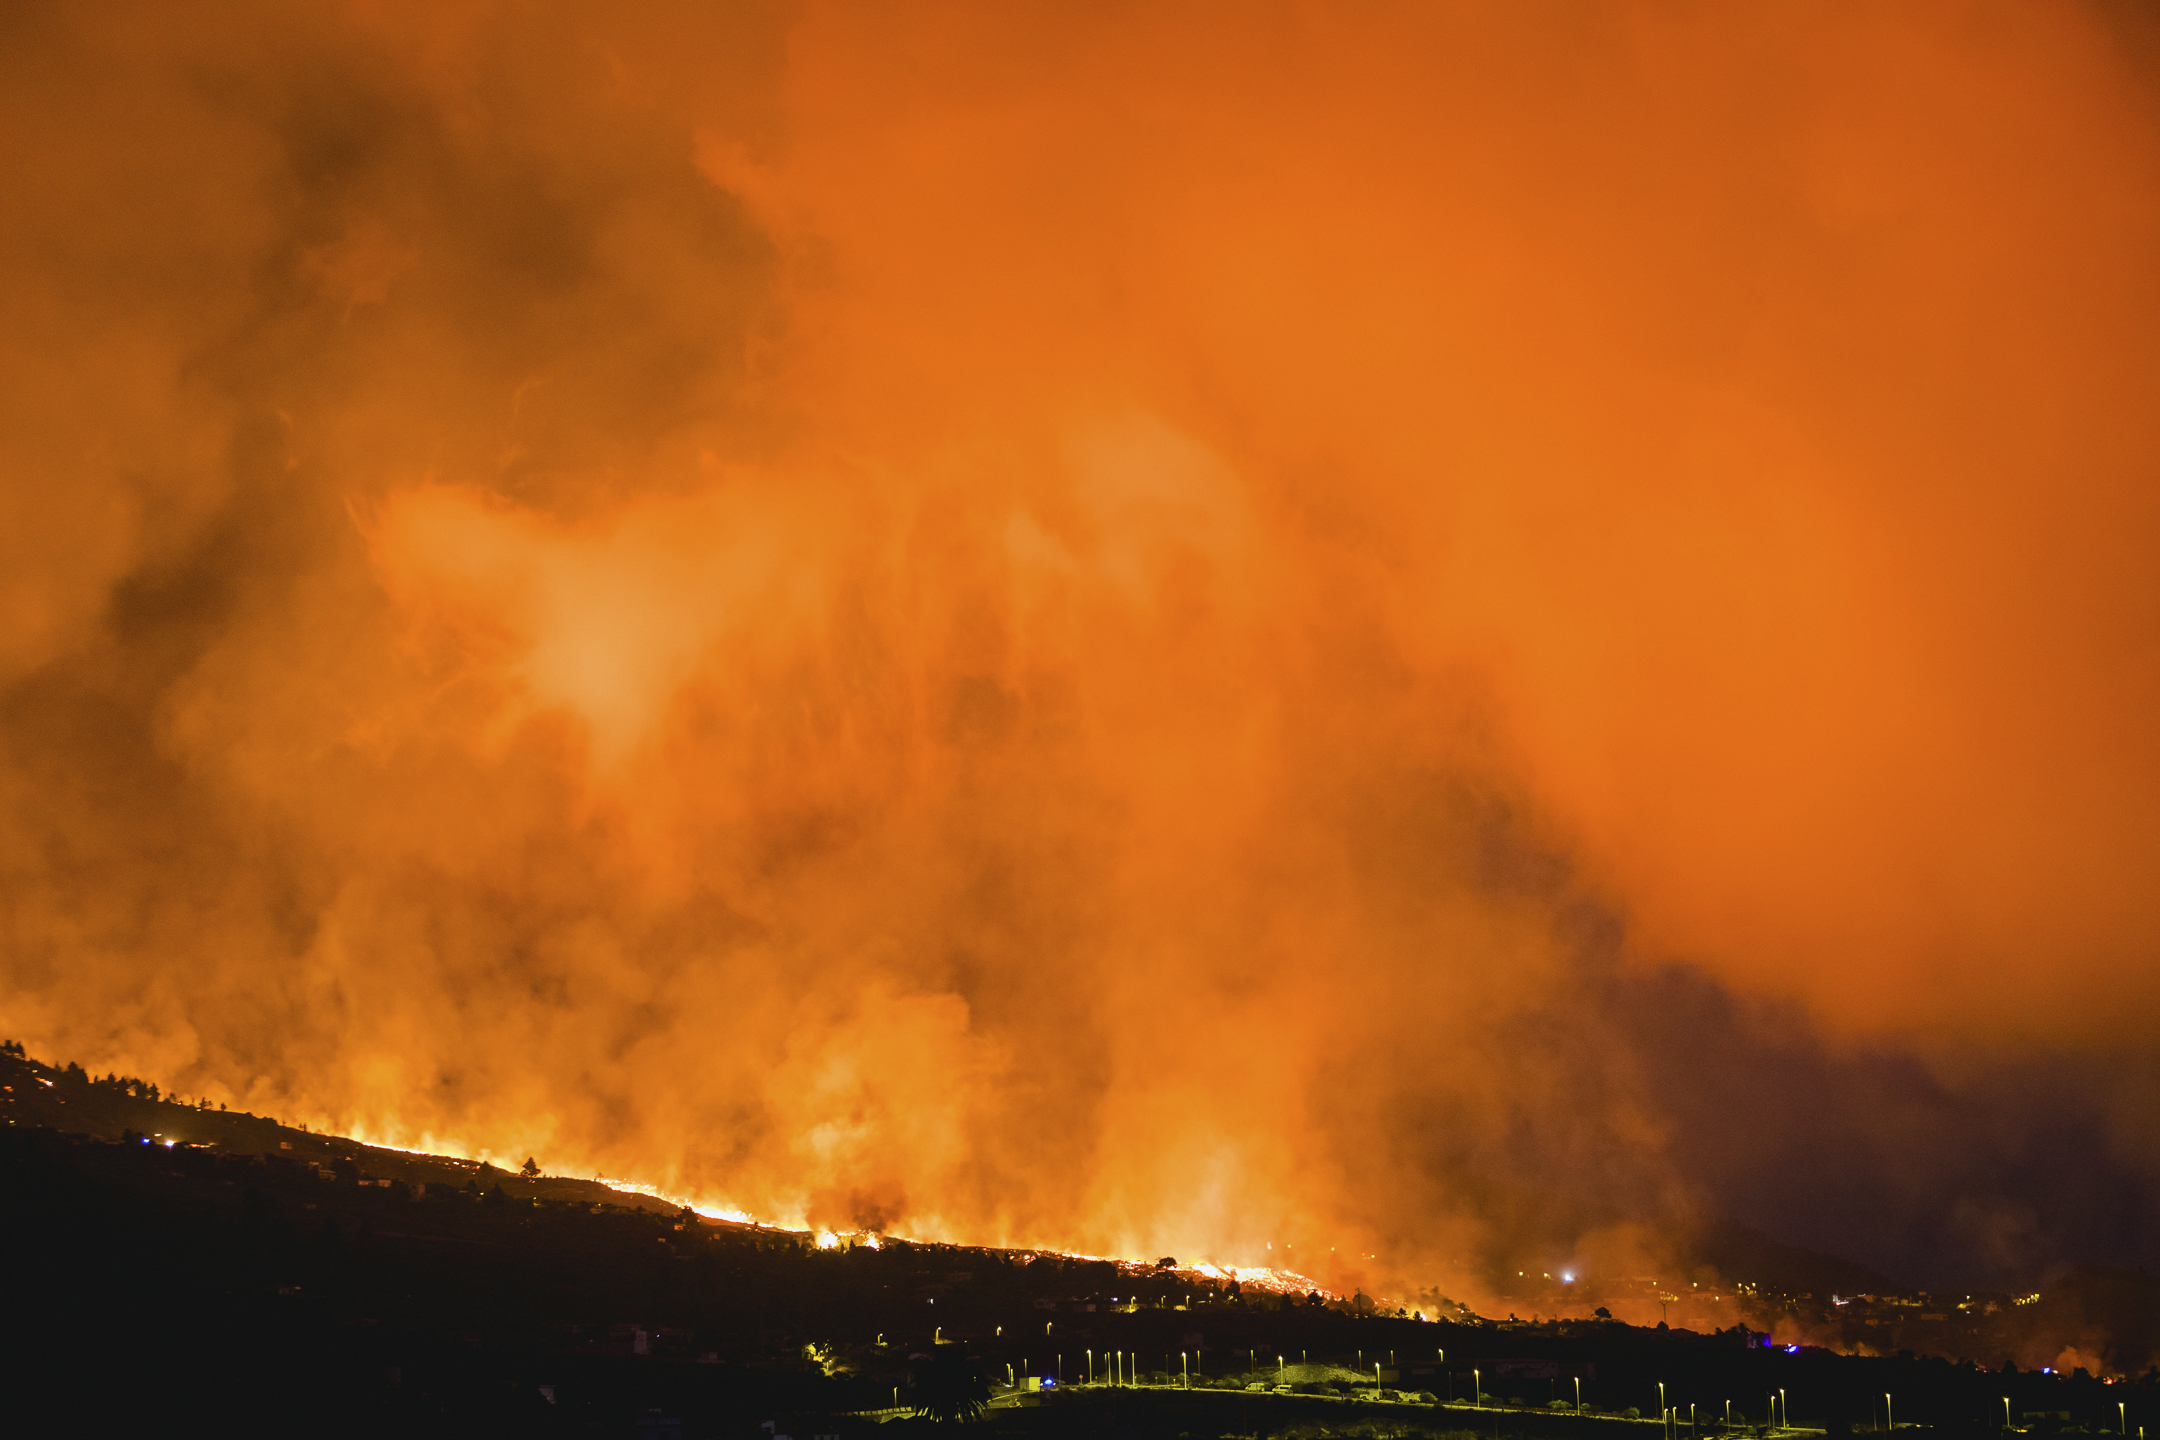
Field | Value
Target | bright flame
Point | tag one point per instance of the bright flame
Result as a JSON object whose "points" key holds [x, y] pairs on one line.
{"points": [[1076, 626]]}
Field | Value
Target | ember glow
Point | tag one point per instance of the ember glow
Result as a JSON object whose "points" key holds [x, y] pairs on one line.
{"points": [[1452, 634]]}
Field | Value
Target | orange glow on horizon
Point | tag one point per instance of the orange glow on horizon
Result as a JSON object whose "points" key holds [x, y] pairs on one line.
{"points": [[1082, 626]]}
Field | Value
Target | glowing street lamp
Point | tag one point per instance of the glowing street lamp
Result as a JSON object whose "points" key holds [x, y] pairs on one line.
{"points": [[1477, 1389], [1889, 1415], [1784, 1411]]}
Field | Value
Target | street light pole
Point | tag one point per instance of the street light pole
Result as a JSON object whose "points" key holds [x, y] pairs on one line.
{"points": [[1889, 1414]]}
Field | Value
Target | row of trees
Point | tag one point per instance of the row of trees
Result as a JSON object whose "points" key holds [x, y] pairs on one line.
{"points": [[134, 1087]]}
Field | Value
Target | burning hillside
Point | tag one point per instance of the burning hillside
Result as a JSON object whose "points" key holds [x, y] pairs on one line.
{"points": [[1418, 645]]}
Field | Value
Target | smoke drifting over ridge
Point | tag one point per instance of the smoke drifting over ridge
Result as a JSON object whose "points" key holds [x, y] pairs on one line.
{"points": [[1095, 628]]}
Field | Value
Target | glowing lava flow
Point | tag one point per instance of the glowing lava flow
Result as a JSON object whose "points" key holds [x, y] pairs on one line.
{"points": [[1265, 1278]]}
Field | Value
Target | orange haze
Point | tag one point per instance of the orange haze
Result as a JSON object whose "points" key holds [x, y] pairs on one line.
{"points": [[1097, 625]]}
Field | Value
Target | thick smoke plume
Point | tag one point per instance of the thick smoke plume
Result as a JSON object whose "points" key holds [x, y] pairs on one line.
{"points": [[1468, 635]]}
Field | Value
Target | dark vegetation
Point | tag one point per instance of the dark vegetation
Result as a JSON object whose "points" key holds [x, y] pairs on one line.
{"points": [[228, 1280]]}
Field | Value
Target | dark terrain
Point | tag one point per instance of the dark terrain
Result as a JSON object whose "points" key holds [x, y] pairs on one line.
{"points": [[170, 1266]]}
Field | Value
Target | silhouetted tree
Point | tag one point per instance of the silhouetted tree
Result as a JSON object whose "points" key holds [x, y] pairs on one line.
{"points": [[530, 1169], [949, 1390]]}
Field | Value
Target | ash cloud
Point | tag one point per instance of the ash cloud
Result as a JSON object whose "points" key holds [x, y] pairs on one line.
{"points": [[1074, 629]]}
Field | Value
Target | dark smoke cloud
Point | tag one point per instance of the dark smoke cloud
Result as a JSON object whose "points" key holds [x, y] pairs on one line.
{"points": [[1469, 636], [1970, 1173]]}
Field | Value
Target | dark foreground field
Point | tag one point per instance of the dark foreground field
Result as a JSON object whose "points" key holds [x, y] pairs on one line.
{"points": [[228, 1281]]}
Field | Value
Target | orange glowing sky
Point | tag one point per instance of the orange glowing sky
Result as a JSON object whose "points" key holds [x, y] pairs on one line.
{"points": [[1134, 627]]}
